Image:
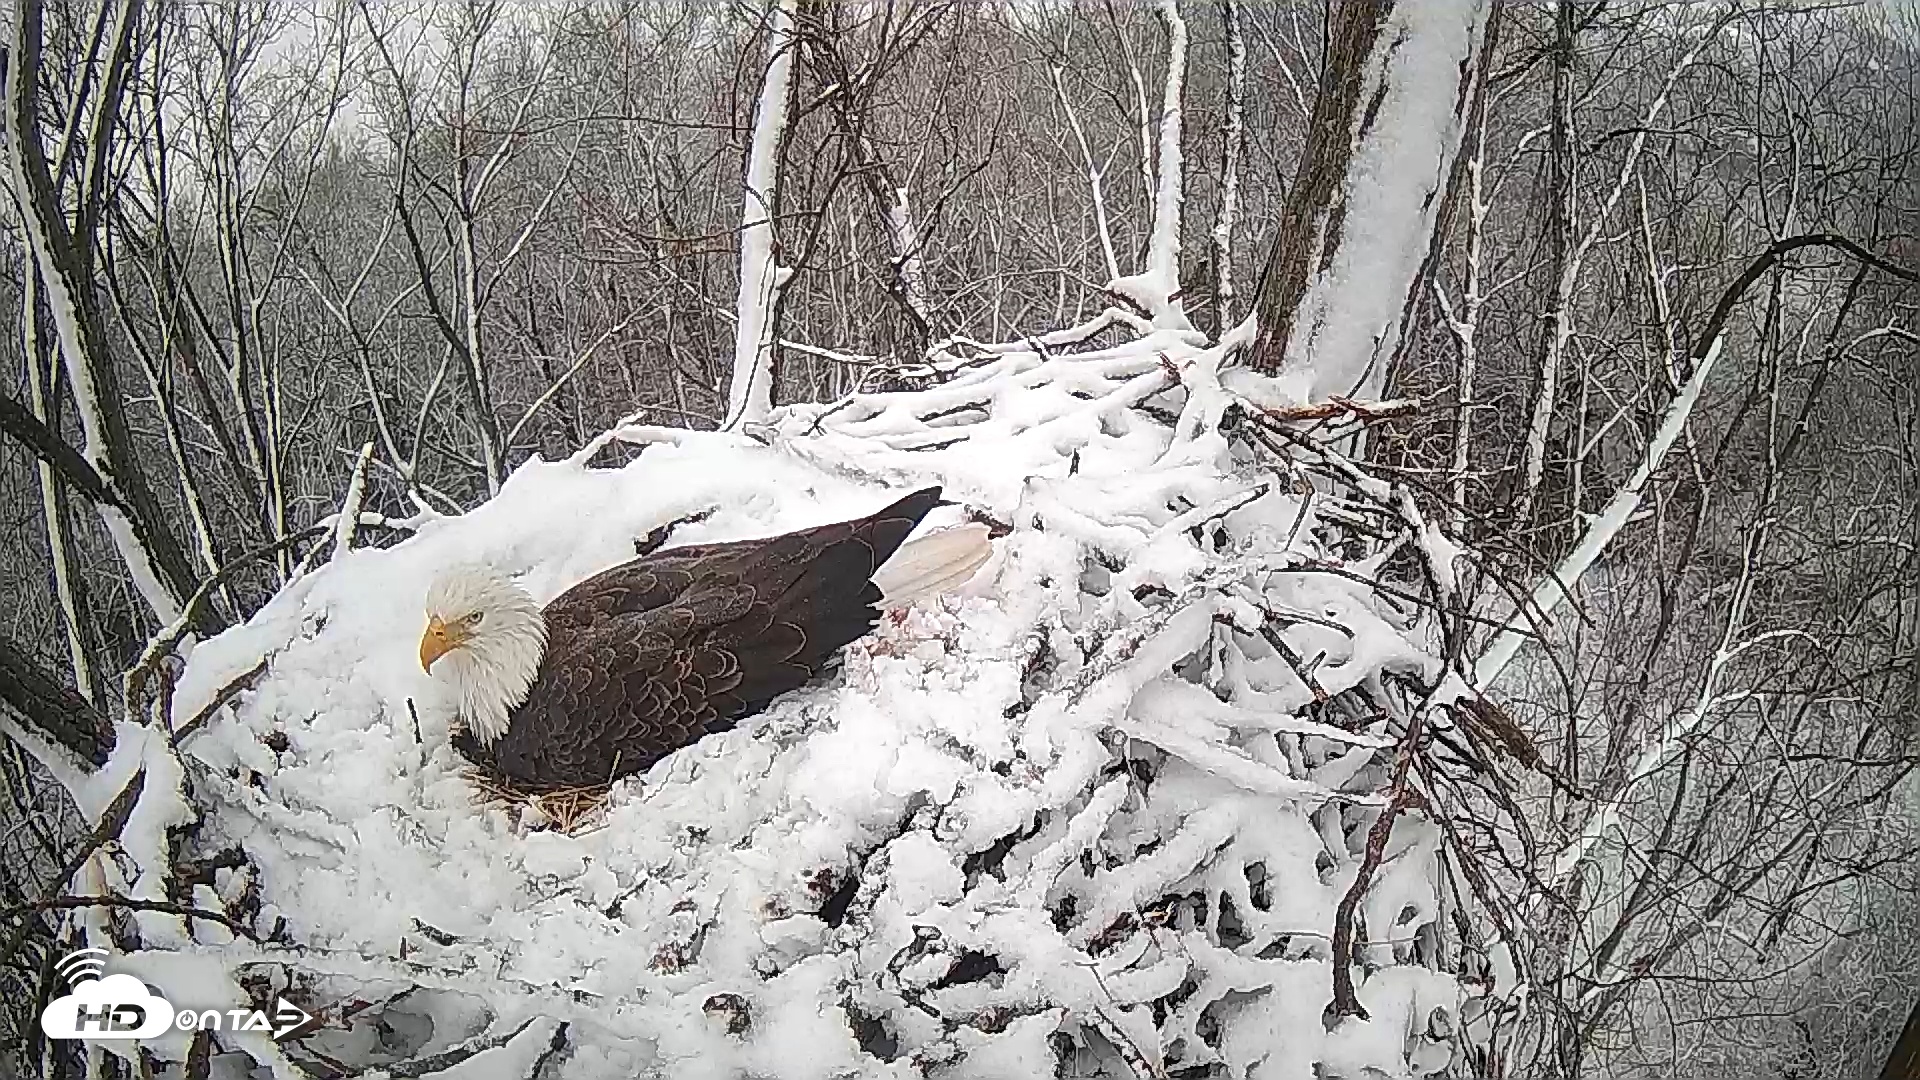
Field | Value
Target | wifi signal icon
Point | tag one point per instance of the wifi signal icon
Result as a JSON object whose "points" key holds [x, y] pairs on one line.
{"points": [[82, 965]]}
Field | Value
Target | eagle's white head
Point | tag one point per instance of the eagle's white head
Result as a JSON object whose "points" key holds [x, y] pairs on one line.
{"points": [[484, 639]]}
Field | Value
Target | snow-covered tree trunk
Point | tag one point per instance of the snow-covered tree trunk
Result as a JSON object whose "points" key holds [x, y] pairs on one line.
{"points": [[904, 256], [192, 498], [55, 716], [1359, 215], [1096, 175], [1464, 325], [750, 394], [1556, 323], [55, 514], [1156, 288], [474, 355]]}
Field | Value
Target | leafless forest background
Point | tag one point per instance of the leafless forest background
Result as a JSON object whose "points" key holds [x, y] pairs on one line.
{"points": [[403, 248]]}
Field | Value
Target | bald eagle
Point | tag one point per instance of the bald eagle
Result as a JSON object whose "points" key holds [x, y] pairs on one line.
{"points": [[644, 658]]}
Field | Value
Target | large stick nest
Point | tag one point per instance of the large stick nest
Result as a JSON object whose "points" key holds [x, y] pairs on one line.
{"points": [[1193, 785]]}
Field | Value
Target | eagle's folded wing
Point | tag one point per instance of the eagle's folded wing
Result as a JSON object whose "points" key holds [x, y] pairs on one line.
{"points": [[622, 689]]}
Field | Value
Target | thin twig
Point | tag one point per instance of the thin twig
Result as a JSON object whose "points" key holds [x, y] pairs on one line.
{"points": [[1345, 1002], [129, 903]]}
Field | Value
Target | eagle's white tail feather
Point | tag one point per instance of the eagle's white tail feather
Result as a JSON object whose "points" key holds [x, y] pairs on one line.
{"points": [[932, 564]]}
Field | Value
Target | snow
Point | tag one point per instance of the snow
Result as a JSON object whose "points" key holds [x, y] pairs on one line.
{"points": [[139, 561], [63, 308], [60, 763], [200, 980], [347, 521], [1094, 174], [1234, 139], [1560, 312]]}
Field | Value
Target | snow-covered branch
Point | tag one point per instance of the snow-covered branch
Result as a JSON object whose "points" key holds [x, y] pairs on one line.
{"points": [[1571, 252], [1619, 510], [1095, 173], [347, 521], [850, 94], [52, 710], [1606, 525], [54, 504]]}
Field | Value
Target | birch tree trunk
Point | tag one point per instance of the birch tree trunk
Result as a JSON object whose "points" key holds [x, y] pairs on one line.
{"points": [[1232, 144], [1358, 220]]}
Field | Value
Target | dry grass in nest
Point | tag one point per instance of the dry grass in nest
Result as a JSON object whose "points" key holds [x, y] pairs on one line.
{"points": [[570, 811]]}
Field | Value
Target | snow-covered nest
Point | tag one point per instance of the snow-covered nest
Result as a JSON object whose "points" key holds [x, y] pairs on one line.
{"points": [[1094, 816]]}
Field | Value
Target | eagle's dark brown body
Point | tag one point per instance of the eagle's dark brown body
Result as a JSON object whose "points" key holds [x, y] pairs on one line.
{"points": [[653, 654]]}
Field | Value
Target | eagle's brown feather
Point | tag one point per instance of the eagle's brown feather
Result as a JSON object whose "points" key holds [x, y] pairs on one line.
{"points": [[651, 655]]}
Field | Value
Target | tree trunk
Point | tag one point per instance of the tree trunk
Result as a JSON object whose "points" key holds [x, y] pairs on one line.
{"points": [[887, 196], [1232, 143], [1556, 325], [43, 386]]}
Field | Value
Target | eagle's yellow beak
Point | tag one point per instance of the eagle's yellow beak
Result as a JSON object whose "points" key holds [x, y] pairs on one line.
{"points": [[438, 640]]}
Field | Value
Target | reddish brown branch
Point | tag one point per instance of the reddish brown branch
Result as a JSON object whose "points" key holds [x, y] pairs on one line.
{"points": [[1345, 1002]]}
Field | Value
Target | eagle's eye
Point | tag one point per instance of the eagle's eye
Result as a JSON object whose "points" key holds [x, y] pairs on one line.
{"points": [[474, 619]]}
